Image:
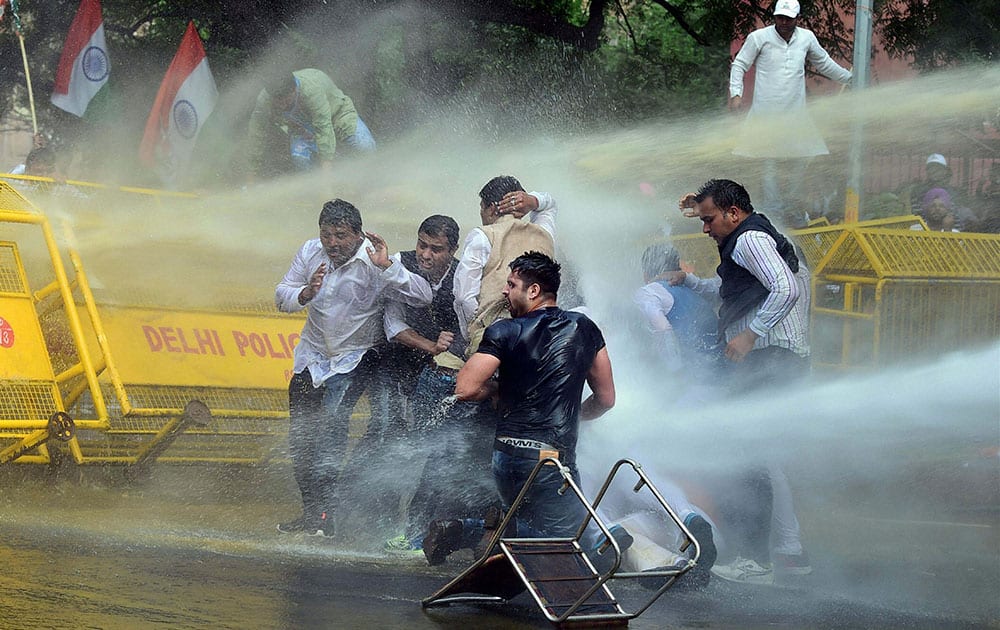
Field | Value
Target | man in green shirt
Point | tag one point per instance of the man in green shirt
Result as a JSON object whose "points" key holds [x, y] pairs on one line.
{"points": [[309, 112]]}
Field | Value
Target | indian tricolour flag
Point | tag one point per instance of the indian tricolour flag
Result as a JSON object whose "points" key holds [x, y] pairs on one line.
{"points": [[83, 66], [186, 98]]}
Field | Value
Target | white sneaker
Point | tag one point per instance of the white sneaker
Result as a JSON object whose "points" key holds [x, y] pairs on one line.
{"points": [[744, 570]]}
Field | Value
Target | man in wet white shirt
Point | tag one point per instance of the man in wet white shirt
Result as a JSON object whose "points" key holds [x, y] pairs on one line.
{"points": [[343, 278]]}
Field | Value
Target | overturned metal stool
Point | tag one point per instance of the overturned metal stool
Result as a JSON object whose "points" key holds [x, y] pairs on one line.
{"points": [[557, 572]]}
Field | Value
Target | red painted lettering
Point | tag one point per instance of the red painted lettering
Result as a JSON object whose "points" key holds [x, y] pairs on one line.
{"points": [[204, 338], [188, 349], [218, 343], [257, 345], [153, 338], [169, 339], [270, 348], [241, 342], [293, 340], [284, 345]]}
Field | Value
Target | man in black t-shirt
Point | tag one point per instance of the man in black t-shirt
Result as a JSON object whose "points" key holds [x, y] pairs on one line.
{"points": [[543, 357]]}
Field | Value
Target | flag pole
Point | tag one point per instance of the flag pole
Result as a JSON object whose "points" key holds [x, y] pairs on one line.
{"points": [[27, 79], [24, 57]]}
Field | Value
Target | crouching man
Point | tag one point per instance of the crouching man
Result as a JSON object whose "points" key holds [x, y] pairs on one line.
{"points": [[542, 357]]}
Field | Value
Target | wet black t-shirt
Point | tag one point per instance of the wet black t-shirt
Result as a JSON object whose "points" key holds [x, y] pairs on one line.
{"points": [[545, 357]]}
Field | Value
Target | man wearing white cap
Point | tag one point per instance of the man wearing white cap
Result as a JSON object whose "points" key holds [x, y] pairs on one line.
{"points": [[938, 176], [780, 53]]}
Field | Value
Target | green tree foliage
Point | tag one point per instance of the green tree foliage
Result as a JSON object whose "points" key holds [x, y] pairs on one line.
{"points": [[939, 33], [509, 64]]}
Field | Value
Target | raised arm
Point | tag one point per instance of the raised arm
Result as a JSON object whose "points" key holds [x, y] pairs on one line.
{"points": [[824, 63], [469, 277]]}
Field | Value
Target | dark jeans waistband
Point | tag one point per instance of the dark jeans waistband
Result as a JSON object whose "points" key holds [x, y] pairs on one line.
{"points": [[526, 449]]}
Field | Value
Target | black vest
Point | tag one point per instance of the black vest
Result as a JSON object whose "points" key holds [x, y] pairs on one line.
{"points": [[427, 321], [740, 290]]}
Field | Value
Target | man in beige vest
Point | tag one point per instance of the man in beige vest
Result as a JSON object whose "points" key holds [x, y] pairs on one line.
{"points": [[488, 250], [466, 427]]}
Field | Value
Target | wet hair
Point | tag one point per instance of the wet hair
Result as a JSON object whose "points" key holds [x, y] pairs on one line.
{"points": [[340, 212], [281, 84], [725, 193], [660, 258], [440, 225], [496, 188], [39, 156], [537, 268]]}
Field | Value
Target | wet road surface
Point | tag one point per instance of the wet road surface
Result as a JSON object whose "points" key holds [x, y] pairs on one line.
{"points": [[193, 548]]}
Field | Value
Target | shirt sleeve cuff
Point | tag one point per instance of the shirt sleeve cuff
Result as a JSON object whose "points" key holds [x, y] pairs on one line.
{"points": [[758, 328]]}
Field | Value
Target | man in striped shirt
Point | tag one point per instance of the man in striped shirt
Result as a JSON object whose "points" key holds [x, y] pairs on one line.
{"points": [[764, 287], [763, 321]]}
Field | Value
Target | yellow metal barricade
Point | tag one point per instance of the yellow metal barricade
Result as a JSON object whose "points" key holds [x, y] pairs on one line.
{"points": [[880, 295], [33, 406], [814, 241], [165, 383], [160, 360]]}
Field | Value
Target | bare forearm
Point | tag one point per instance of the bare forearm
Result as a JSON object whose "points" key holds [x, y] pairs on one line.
{"points": [[412, 339], [594, 408], [474, 380], [475, 394]]}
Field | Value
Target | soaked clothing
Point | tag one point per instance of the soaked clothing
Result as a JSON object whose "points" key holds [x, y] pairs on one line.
{"points": [[683, 325], [741, 290], [428, 321], [545, 357]]}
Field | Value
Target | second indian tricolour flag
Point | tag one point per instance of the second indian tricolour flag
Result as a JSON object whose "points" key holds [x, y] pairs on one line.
{"points": [[186, 98], [83, 66]]}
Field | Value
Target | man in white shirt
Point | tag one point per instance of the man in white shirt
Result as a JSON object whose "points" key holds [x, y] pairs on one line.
{"points": [[779, 53], [344, 279]]}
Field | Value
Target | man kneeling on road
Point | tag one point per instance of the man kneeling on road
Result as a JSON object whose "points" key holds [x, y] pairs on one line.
{"points": [[543, 356]]}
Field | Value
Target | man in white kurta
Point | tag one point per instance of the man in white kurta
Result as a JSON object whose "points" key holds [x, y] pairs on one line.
{"points": [[778, 125]]}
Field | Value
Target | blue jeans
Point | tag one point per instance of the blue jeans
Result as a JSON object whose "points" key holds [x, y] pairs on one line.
{"points": [[361, 140], [543, 510], [458, 440], [543, 513], [303, 148]]}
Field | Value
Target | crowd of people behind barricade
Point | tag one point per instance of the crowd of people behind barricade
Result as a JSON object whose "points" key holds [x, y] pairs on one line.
{"points": [[946, 207]]}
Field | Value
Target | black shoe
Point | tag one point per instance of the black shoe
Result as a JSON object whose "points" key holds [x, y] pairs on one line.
{"points": [[491, 521], [322, 527], [699, 576], [443, 537], [294, 527]]}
